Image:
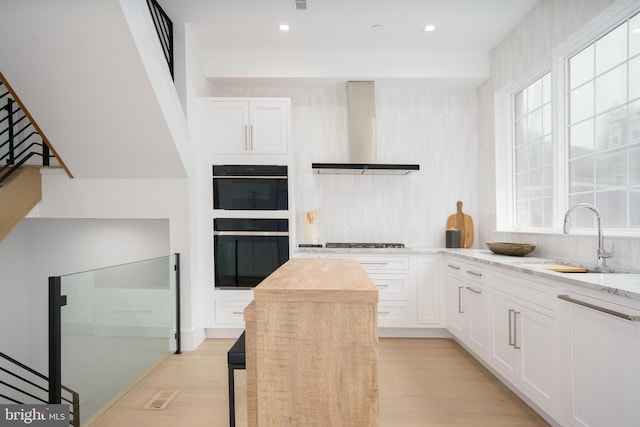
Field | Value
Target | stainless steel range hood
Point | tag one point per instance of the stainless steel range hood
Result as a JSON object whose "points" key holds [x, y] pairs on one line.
{"points": [[361, 103]]}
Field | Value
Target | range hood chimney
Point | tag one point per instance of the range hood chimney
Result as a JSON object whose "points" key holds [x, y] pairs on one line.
{"points": [[361, 104]]}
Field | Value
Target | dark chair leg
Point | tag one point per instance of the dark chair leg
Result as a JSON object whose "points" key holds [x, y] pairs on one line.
{"points": [[232, 398]]}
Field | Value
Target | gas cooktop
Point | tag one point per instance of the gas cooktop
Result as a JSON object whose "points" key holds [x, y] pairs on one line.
{"points": [[364, 245]]}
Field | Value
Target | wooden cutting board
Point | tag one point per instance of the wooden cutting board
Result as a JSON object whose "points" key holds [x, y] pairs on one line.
{"points": [[560, 268], [464, 223]]}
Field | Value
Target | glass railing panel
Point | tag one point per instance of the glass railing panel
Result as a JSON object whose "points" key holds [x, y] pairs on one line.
{"points": [[117, 324]]}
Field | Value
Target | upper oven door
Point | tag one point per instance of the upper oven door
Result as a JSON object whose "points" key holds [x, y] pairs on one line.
{"points": [[250, 188]]}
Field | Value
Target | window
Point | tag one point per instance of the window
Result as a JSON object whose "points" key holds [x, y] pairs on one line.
{"points": [[604, 117], [533, 155], [596, 158]]}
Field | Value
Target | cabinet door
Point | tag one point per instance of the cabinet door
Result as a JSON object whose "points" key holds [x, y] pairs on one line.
{"points": [[535, 343], [603, 384], [503, 358], [268, 127], [225, 126], [478, 323], [455, 306], [427, 289]]}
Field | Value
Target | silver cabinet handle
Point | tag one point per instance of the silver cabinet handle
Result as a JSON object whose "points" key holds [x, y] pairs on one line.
{"points": [[475, 273], [475, 291], [455, 267], [601, 309], [515, 330], [373, 263], [246, 139], [460, 299], [511, 341], [251, 136], [383, 312], [382, 285], [237, 312]]}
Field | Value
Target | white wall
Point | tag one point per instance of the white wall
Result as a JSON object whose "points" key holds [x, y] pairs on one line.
{"points": [[527, 47], [39, 248], [434, 127]]}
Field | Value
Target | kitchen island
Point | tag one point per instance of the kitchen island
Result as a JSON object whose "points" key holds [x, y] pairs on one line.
{"points": [[312, 346]]}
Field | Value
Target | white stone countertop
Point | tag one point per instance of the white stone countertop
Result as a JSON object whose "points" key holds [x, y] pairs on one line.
{"points": [[626, 285]]}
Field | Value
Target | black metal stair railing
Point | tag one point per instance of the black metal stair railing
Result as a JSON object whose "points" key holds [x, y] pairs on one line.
{"points": [[20, 141], [20, 384], [164, 28]]}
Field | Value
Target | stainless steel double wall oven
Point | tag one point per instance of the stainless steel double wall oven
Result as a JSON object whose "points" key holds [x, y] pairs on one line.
{"points": [[249, 247]]}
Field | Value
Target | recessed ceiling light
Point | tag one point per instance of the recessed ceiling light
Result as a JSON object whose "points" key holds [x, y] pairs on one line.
{"points": [[428, 28], [284, 27], [376, 27]]}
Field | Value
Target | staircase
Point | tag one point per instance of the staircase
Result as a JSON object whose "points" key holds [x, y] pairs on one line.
{"points": [[23, 151]]}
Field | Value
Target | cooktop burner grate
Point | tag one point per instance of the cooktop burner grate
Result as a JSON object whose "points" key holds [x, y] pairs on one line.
{"points": [[364, 245]]}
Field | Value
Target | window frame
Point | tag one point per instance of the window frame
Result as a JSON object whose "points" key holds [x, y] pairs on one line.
{"points": [[557, 65]]}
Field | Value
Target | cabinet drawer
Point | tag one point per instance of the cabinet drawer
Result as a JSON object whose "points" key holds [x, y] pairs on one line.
{"points": [[528, 291], [475, 272], [395, 313], [391, 286], [379, 263], [230, 312]]}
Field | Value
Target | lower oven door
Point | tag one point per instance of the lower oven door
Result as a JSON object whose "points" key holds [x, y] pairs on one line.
{"points": [[245, 258]]}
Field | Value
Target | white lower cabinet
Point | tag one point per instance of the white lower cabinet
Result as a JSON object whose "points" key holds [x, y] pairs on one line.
{"points": [[427, 278], [523, 343], [601, 361], [392, 275], [467, 305]]}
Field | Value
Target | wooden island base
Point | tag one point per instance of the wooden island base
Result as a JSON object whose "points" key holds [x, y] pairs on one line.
{"points": [[312, 346]]}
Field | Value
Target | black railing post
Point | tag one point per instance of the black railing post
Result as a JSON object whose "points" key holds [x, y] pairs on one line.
{"points": [[56, 301], [45, 154], [11, 159], [178, 326]]}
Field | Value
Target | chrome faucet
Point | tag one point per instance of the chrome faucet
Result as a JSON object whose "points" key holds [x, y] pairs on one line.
{"points": [[602, 254]]}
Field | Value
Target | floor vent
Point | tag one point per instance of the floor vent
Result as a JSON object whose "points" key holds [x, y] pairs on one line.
{"points": [[161, 399]]}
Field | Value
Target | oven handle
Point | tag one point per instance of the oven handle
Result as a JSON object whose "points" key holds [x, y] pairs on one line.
{"points": [[250, 233], [250, 176]]}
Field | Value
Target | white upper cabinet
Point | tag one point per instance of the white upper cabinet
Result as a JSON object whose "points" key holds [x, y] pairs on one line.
{"points": [[245, 126]]}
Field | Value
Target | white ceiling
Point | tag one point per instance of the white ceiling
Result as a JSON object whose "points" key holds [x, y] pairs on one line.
{"points": [[346, 25]]}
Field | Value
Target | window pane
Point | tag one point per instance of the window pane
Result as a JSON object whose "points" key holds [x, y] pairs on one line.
{"points": [[536, 213], [522, 157], [611, 49], [611, 129], [520, 104], [546, 119], [581, 103], [548, 183], [611, 170], [613, 208], [546, 88], [548, 212], [536, 184], [582, 175], [535, 125], [537, 154], [634, 77], [534, 95], [522, 185], [522, 213], [634, 35], [581, 136], [547, 151], [581, 67], [611, 89]]}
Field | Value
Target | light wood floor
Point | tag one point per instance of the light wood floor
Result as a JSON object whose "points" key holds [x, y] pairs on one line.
{"points": [[423, 383]]}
